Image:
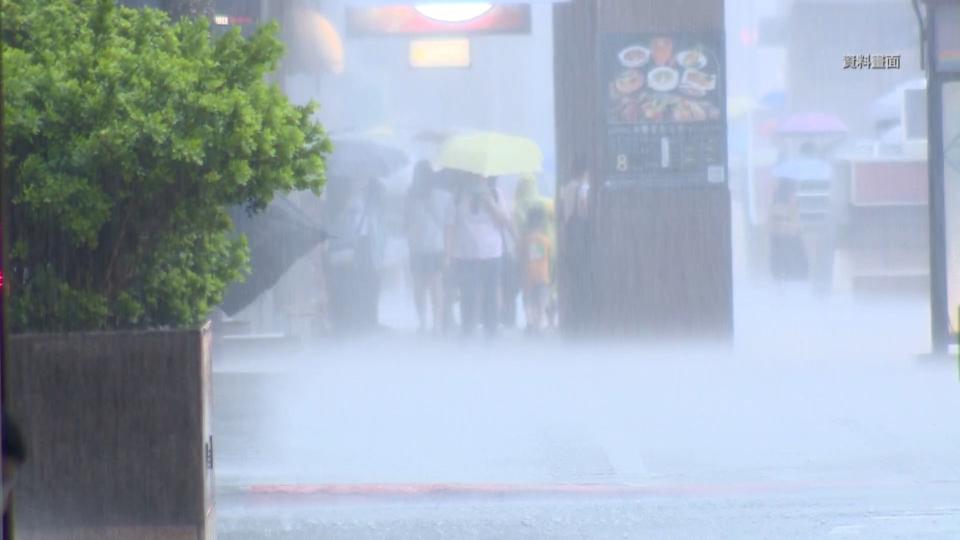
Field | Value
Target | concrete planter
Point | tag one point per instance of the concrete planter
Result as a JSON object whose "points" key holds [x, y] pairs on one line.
{"points": [[118, 428]]}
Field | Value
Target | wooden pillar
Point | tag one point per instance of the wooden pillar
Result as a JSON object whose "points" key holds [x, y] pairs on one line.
{"points": [[661, 252]]}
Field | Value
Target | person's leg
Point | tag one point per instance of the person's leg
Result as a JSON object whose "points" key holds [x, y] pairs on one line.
{"points": [[467, 276], [510, 289], [528, 305], [419, 289], [434, 286], [373, 302], [489, 288], [450, 295]]}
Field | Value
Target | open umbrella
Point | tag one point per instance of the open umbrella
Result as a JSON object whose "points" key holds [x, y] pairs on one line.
{"points": [[278, 237], [774, 100], [356, 157], [490, 154], [812, 123], [801, 169]]}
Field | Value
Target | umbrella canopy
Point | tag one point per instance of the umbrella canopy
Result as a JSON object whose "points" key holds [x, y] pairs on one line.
{"points": [[774, 100], [812, 123], [353, 157], [490, 154], [278, 237], [432, 136], [801, 169]]}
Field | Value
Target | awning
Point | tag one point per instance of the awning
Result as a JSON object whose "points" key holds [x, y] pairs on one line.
{"points": [[321, 38]]}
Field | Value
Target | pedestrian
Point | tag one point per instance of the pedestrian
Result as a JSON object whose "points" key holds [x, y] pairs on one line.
{"points": [[526, 198], [476, 228], [536, 252], [788, 257], [575, 256], [354, 254], [425, 217], [510, 283]]}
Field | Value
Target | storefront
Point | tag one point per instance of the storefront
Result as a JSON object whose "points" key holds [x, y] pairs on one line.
{"points": [[653, 128]]}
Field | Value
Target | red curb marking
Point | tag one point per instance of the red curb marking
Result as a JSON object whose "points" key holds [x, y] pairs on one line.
{"points": [[528, 489]]}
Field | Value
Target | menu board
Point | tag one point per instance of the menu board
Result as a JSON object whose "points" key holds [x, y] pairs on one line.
{"points": [[664, 100]]}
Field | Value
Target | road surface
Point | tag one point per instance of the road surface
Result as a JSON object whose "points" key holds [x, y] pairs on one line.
{"points": [[818, 422]]}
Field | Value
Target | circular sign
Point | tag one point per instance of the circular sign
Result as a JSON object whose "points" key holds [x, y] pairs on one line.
{"points": [[454, 12]]}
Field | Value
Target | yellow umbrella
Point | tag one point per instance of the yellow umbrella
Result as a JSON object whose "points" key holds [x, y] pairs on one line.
{"points": [[490, 154]]}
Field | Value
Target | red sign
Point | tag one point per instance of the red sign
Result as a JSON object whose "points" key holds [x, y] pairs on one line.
{"points": [[406, 20]]}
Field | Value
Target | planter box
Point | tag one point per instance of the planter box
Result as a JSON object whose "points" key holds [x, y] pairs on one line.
{"points": [[118, 432]]}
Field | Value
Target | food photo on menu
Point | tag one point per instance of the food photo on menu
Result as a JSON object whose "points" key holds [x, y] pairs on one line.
{"points": [[655, 82]]}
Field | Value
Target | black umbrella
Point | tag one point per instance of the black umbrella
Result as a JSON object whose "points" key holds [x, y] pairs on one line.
{"points": [[278, 237], [354, 158]]}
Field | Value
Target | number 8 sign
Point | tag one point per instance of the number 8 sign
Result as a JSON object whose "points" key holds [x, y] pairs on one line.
{"points": [[623, 165]]}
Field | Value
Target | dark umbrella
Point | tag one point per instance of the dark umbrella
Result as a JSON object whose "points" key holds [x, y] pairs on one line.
{"points": [[362, 158], [278, 237]]}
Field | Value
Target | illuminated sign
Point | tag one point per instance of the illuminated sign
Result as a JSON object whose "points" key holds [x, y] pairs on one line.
{"points": [[454, 13], [440, 19], [226, 20], [440, 53]]}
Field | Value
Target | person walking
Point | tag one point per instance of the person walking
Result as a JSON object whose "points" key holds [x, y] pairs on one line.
{"points": [[536, 252], [354, 254], [788, 256], [425, 220], [575, 256], [476, 229]]}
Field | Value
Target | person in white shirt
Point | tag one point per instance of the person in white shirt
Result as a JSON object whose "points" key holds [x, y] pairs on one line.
{"points": [[477, 226]]}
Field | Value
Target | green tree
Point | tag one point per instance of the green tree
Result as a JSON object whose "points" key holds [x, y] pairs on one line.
{"points": [[127, 138]]}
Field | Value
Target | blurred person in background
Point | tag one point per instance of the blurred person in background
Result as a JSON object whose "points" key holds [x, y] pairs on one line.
{"points": [[575, 255], [535, 254], [424, 219], [477, 226], [526, 198], [788, 256], [354, 254]]}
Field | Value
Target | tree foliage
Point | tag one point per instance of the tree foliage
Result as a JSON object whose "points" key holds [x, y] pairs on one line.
{"points": [[127, 137]]}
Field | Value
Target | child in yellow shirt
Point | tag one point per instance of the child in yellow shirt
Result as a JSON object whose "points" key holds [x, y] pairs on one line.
{"points": [[536, 252]]}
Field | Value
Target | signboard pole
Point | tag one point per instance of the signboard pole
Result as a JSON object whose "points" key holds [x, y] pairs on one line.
{"points": [[939, 309]]}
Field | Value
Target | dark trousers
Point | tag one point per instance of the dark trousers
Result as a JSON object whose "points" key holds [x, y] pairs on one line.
{"points": [[478, 281], [510, 289]]}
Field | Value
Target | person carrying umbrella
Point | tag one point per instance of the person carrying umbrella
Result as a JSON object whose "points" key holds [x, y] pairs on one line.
{"points": [[425, 221], [354, 253], [476, 226], [479, 227], [788, 255]]}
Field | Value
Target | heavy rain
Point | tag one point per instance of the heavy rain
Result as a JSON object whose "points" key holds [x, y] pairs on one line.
{"points": [[553, 269]]}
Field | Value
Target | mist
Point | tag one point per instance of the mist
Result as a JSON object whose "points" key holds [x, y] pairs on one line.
{"points": [[792, 407]]}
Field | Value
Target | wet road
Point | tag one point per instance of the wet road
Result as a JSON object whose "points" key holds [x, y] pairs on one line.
{"points": [[808, 427]]}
